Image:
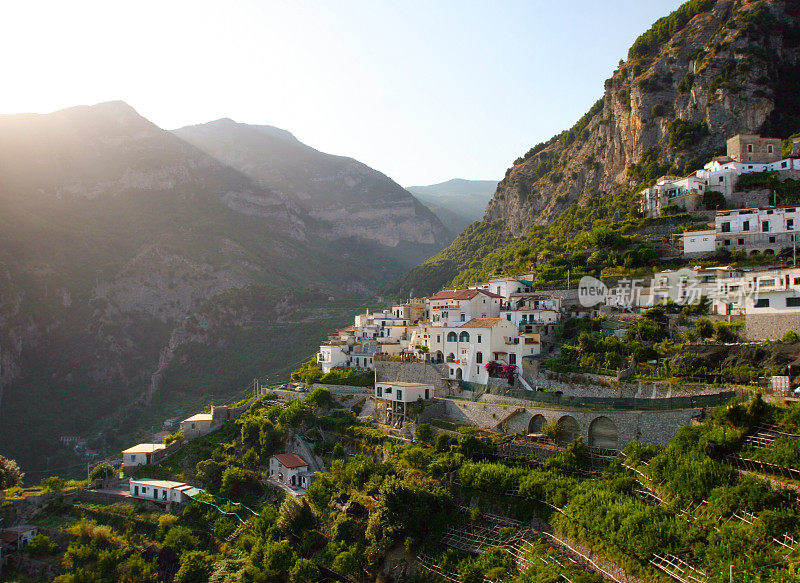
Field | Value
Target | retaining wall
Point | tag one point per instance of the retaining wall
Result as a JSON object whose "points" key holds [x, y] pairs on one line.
{"points": [[645, 426], [413, 372], [759, 327]]}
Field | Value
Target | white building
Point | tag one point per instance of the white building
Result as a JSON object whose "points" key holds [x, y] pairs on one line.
{"points": [[141, 454], [763, 291], [764, 229], [392, 400], [686, 193], [454, 307], [161, 490], [466, 349], [696, 242], [506, 286], [290, 469]]}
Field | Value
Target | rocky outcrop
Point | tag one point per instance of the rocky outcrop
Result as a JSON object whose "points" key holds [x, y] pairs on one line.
{"points": [[729, 70]]}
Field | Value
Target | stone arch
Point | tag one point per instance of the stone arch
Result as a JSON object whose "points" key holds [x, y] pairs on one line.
{"points": [[452, 336], [459, 374], [568, 430], [603, 433], [536, 424], [769, 252], [438, 357], [464, 336], [753, 252], [451, 357]]}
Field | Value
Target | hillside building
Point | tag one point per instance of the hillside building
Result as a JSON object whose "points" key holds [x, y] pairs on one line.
{"points": [[760, 229], [141, 454], [164, 491], [749, 148], [290, 470], [393, 398]]}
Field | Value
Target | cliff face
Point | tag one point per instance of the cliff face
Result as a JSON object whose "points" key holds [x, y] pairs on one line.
{"points": [[346, 198], [729, 69]]}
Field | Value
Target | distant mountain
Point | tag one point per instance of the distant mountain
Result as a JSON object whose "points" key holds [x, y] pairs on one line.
{"points": [[136, 268], [457, 202], [348, 197]]}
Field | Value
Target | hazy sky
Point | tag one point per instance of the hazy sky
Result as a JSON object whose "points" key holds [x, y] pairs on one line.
{"points": [[421, 90]]}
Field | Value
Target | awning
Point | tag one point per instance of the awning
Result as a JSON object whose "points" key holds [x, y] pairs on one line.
{"points": [[526, 282]]}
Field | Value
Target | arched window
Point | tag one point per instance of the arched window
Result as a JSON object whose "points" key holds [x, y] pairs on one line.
{"points": [[463, 337], [452, 337], [479, 357]]}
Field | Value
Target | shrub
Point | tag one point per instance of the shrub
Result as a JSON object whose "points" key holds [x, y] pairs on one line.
{"points": [[173, 437], [424, 432], [41, 545]]}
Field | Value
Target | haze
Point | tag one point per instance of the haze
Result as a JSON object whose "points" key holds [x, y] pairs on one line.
{"points": [[421, 91]]}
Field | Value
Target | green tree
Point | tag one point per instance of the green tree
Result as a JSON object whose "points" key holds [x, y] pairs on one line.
{"points": [[102, 471], [52, 484], [195, 567], [180, 539], [42, 545], [10, 474], [704, 328], [320, 398], [295, 516], [424, 432], [250, 459]]}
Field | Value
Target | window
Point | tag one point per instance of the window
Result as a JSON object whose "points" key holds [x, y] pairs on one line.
{"points": [[793, 302], [797, 281], [749, 148], [438, 338], [790, 224], [144, 489], [463, 337], [746, 226], [772, 239], [479, 338], [761, 303], [399, 394], [741, 242], [726, 227], [452, 337], [769, 149], [427, 393], [164, 495], [479, 357], [508, 317], [766, 283], [463, 317], [765, 226], [722, 179], [783, 164], [133, 457], [379, 390], [727, 242], [388, 390], [512, 359], [770, 212]]}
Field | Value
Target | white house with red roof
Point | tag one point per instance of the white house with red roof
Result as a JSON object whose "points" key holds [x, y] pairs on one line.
{"points": [[458, 306], [290, 469]]}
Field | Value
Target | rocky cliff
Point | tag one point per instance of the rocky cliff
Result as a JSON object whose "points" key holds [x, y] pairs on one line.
{"points": [[710, 70], [707, 72]]}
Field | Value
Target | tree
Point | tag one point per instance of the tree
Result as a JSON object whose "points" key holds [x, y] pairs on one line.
{"points": [[180, 539], [713, 200], [52, 484], [303, 571], [320, 398], [10, 474], [424, 432], [295, 516], [195, 567], [209, 472], [102, 471], [250, 459], [177, 436], [42, 545], [704, 328]]}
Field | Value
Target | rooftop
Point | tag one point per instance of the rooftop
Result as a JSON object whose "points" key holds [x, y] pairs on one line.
{"points": [[161, 483], [404, 384], [144, 448], [462, 294], [481, 323], [200, 417], [290, 460]]}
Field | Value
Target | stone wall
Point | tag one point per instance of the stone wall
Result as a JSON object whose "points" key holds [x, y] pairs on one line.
{"points": [[645, 426], [412, 372], [760, 327], [344, 389]]}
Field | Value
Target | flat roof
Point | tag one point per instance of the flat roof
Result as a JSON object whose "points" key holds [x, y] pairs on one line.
{"points": [[160, 483], [145, 448], [404, 384], [199, 417]]}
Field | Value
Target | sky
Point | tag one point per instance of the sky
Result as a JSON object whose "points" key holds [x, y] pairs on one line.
{"points": [[423, 91]]}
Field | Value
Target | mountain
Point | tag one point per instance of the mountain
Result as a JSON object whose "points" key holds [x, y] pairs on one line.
{"points": [[348, 197], [457, 202], [138, 271], [709, 70]]}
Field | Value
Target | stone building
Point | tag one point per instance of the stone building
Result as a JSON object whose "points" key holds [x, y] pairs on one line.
{"points": [[750, 148]]}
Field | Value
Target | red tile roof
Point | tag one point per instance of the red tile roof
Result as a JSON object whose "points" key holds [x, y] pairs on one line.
{"points": [[481, 323], [290, 460], [462, 294]]}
